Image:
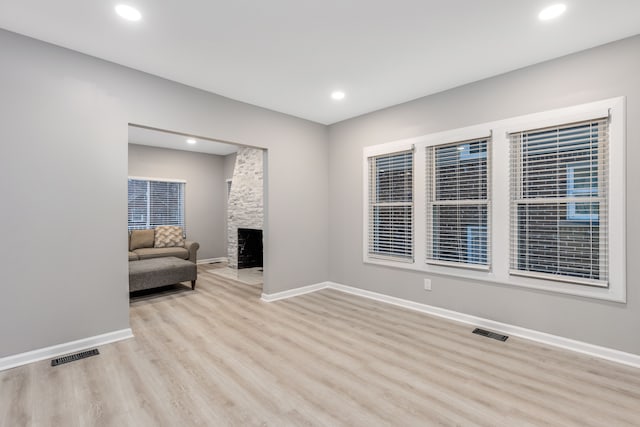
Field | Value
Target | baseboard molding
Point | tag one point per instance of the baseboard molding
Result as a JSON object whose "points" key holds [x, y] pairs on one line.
{"points": [[294, 292], [66, 348], [211, 260], [606, 353]]}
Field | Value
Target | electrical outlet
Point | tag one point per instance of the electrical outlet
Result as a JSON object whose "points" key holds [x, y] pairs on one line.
{"points": [[427, 284]]}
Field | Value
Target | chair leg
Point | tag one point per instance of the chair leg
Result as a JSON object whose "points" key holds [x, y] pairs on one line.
{"points": [[193, 285]]}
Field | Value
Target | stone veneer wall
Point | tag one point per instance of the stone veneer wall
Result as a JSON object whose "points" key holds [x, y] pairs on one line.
{"points": [[245, 205]]}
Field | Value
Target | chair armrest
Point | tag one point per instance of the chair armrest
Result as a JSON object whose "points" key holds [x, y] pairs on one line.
{"points": [[192, 247]]}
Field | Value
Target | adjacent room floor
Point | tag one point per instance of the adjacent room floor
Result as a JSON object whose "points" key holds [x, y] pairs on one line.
{"points": [[219, 356]]}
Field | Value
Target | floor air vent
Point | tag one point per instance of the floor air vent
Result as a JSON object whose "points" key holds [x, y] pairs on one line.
{"points": [[74, 357], [489, 334]]}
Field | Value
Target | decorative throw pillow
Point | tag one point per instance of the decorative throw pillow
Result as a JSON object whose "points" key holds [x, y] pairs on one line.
{"points": [[141, 239], [168, 236]]}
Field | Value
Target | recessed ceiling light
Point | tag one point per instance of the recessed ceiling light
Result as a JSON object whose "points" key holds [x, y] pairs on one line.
{"points": [[337, 95], [191, 141], [129, 13], [552, 11]]}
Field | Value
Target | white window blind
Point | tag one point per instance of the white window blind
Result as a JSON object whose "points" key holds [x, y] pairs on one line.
{"points": [[391, 206], [153, 203], [559, 203], [457, 204]]}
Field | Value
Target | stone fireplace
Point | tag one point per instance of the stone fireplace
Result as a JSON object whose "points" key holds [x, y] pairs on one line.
{"points": [[245, 204]]}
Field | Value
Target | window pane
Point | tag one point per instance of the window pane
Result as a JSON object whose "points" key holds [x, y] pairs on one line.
{"points": [[391, 205], [394, 178], [138, 212], [460, 233], [457, 199], [166, 203], [547, 244], [392, 231], [461, 171], [548, 156], [153, 203]]}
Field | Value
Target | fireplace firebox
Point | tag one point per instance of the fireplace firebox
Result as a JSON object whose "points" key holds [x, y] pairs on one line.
{"points": [[249, 248]]}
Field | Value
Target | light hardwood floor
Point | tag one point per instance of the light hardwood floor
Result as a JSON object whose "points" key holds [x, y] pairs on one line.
{"points": [[218, 356]]}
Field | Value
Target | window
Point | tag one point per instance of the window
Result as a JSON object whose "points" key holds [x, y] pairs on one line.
{"points": [[535, 201], [154, 202], [458, 203], [559, 202], [391, 206]]}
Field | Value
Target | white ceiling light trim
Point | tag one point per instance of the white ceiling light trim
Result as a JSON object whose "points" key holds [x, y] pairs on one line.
{"points": [[128, 12], [191, 141], [552, 12]]}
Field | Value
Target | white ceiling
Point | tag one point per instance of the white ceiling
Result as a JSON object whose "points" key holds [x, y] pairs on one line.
{"points": [[174, 141], [288, 55]]}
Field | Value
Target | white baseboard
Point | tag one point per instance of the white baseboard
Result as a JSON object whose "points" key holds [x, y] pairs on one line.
{"points": [[66, 348], [294, 292], [613, 355], [211, 260]]}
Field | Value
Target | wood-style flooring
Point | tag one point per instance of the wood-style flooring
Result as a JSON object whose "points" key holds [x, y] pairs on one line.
{"points": [[218, 356]]}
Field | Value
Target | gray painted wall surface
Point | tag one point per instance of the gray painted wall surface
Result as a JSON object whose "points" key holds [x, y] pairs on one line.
{"points": [[63, 168], [604, 72], [205, 191], [229, 165]]}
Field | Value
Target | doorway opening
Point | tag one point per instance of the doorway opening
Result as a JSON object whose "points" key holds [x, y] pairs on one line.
{"points": [[223, 193]]}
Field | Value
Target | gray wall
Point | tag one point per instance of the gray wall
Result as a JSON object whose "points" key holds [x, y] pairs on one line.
{"points": [[229, 166], [604, 72], [205, 191], [63, 168]]}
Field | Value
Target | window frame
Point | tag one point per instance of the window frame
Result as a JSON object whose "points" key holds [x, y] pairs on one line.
{"points": [[499, 130], [520, 199], [395, 148]]}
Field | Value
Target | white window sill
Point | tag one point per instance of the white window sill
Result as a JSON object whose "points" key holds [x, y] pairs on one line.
{"points": [[491, 278]]}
